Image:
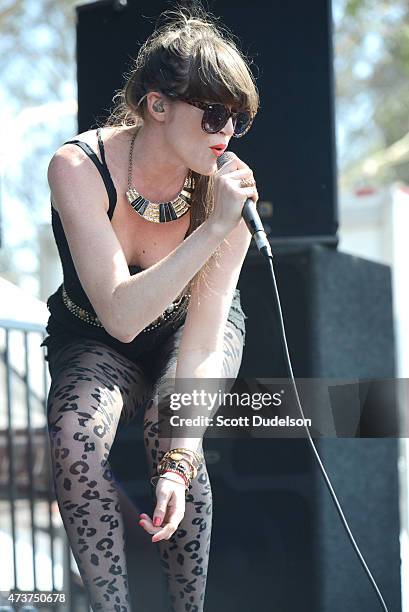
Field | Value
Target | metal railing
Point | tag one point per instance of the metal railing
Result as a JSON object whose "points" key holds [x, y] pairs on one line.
{"points": [[36, 555]]}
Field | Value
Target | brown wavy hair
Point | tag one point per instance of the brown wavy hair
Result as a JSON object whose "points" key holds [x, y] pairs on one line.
{"points": [[189, 55]]}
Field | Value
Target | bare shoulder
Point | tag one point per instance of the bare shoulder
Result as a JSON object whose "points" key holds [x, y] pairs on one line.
{"points": [[71, 151], [70, 168], [79, 195]]}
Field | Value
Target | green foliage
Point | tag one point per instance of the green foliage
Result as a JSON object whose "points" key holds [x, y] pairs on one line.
{"points": [[353, 7]]}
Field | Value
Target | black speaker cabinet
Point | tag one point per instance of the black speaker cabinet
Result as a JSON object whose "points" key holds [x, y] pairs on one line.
{"points": [[278, 542], [337, 310], [338, 318]]}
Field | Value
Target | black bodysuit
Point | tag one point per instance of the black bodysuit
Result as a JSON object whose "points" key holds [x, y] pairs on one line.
{"points": [[95, 381]]}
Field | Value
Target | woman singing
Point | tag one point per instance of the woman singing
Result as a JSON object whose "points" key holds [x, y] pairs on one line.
{"points": [[152, 242]]}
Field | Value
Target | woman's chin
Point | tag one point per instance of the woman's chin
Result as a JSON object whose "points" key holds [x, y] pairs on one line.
{"points": [[205, 169]]}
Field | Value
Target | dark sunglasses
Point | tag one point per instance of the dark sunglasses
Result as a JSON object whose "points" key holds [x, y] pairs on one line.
{"points": [[216, 116]]}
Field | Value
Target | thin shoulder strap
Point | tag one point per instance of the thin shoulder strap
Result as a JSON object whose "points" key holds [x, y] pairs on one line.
{"points": [[101, 147], [113, 198], [102, 169]]}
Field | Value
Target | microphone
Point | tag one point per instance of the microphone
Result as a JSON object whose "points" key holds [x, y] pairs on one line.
{"points": [[250, 215]]}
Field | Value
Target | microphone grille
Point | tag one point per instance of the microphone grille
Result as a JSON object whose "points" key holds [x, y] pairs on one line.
{"points": [[224, 158]]}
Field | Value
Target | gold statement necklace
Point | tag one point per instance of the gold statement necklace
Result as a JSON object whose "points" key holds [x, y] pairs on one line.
{"points": [[159, 212]]}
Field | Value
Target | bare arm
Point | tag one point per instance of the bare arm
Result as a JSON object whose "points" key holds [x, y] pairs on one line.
{"points": [[200, 354], [152, 290], [209, 305], [124, 304]]}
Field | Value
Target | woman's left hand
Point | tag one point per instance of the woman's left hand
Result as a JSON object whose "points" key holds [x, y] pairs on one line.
{"points": [[170, 508]]}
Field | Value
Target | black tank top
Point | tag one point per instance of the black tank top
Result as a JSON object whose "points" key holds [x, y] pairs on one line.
{"points": [[63, 326]]}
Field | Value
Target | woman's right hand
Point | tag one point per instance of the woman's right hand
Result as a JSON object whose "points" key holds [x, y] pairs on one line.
{"points": [[229, 196]]}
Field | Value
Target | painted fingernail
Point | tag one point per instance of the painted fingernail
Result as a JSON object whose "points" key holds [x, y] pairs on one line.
{"points": [[157, 521]]}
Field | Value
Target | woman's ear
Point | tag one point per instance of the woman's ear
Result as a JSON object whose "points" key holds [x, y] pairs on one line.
{"points": [[156, 105]]}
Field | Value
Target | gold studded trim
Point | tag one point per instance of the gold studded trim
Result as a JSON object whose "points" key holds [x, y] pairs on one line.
{"points": [[92, 319], [79, 312]]}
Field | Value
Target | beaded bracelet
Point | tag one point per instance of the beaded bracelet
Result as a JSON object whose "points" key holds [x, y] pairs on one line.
{"points": [[173, 465], [177, 454], [178, 470], [196, 455], [187, 481], [172, 462]]}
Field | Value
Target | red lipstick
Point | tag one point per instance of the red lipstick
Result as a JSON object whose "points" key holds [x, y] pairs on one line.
{"points": [[218, 149]]}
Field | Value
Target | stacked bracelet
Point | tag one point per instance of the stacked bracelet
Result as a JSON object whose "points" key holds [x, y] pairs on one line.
{"points": [[172, 461], [178, 454], [185, 478], [170, 464]]}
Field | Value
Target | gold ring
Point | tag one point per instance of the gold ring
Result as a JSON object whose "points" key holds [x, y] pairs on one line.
{"points": [[247, 183]]}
